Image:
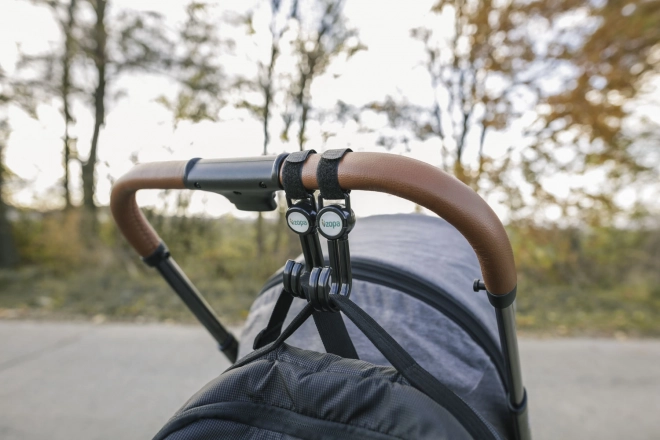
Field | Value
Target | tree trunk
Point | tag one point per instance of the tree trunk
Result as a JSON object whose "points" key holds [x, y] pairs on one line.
{"points": [[281, 222], [65, 164], [268, 99], [303, 123], [459, 172], [303, 100], [100, 60], [268, 94], [90, 222], [66, 89], [261, 239], [8, 253]]}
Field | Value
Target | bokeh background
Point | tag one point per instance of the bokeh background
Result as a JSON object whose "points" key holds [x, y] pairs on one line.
{"points": [[549, 109]]}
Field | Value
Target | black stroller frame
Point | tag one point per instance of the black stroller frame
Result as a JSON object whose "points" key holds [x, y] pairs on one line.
{"points": [[250, 184]]}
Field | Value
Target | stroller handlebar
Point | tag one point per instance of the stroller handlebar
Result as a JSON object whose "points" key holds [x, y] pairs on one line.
{"points": [[129, 218], [438, 191], [404, 177]]}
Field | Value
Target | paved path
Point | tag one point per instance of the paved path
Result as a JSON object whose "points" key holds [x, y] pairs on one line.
{"points": [[84, 381]]}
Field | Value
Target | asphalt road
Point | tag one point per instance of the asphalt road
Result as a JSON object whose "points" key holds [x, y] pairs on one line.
{"points": [[84, 381]]}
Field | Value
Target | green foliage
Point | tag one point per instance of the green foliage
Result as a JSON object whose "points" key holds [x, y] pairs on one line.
{"points": [[196, 67], [597, 281], [62, 277], [564, 74], [322, 36], [601, 281], [50, 240]]}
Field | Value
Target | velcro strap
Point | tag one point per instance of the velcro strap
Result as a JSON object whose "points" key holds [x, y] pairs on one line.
{"points": [[327, 174], [292, 174]]}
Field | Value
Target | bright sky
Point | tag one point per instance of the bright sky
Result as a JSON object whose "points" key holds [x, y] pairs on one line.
{"points": [[138, 125]]}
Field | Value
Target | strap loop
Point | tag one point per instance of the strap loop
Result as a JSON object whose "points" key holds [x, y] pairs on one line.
{"points": [[327, 175], [292, 175]]}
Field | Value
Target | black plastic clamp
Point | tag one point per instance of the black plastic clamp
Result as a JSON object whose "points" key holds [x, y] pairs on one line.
{"points": [[521, 407], [158, 256], [497, 301], [334, 222], [229, 346], [301, 219]]}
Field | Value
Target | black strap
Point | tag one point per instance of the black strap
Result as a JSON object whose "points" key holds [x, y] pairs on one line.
{"points": [[327, 174], [299, 320], [334, 335], [331, 328], [276, 321], [413, 372], [419, 378], [292, 174]]}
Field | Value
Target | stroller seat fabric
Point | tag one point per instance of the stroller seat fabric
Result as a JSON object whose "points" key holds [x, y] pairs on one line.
{"points": [[412, 283]]}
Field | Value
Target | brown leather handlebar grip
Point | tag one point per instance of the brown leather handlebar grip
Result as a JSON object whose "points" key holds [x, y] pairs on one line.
{"points": [[400, 176], [438, 191], [127, 214]]}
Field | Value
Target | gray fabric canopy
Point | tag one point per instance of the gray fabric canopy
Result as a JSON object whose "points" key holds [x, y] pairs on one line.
{"points": [[431, 250]]}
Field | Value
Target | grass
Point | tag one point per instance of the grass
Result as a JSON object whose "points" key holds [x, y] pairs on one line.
{"points": [[588, 281], [102, 295], [589, 311], [141, 295]]}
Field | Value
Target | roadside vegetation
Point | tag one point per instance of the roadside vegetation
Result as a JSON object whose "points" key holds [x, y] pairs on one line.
{"points": [[598, 282]]}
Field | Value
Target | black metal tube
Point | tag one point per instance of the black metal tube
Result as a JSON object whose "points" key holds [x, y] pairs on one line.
{"points": [[506, 324], [346, 274], [249, 183], [198, 306], [312, 251]]}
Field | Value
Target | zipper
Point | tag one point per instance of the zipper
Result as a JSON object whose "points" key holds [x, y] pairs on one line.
{"points": [[392, 277]]}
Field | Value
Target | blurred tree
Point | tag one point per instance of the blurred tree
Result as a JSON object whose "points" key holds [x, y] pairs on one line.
{"points": [[263, 82], [52, 76], [322, 35], [559, 72], [480, 59], [19, 95], [195, 66], [8, 253], [96, 48], [134, 41], [67, 60], [616, 57]]}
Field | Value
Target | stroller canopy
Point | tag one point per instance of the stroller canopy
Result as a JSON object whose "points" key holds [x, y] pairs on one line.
{"points": [[413, 274]]}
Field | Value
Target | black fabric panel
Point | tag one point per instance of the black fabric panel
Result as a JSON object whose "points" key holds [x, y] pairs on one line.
{"points": [[327, 176], [326, 388], [292, 174], [400, 360], [418, 377], [263, 417], [334, 335], [215, 429]]}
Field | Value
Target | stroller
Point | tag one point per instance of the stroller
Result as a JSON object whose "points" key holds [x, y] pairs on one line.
{"points": [[407, 280]]}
